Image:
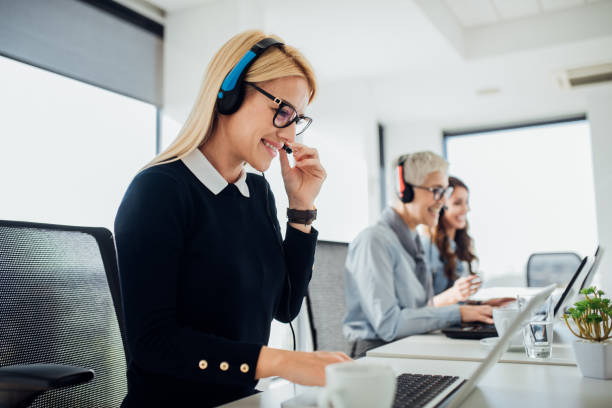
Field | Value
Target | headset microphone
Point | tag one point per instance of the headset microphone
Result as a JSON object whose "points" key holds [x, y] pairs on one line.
{"points": [[287, 149]]}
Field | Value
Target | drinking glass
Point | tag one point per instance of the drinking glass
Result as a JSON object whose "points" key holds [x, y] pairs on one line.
{"points": [[538, 329]]}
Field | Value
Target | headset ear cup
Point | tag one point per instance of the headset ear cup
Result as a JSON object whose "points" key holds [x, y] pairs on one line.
{"points": [[231, 92], [408, 195], [230, 101], [405, 191]]}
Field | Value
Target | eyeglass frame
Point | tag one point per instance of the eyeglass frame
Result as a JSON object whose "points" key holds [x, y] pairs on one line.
{"points": [[282, 103], [439, 191]]}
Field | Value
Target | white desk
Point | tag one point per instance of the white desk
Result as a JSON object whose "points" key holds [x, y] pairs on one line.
{"points": [[508, 291], [505, 385], [436, 346]]}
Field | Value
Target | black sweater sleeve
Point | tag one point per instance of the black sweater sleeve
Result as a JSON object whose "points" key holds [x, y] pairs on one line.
{"points": [[298, 250], [151, 228]]}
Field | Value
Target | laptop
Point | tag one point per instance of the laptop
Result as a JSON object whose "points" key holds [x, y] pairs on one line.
{"points": [[570, 290], [593, 269], [477, 330], [429, 391], [584, 274]]}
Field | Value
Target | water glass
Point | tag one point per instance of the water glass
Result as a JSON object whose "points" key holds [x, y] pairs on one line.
{"points": [[538, 329], [538, 339]]}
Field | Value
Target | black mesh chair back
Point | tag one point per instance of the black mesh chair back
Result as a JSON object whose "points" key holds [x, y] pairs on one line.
{"points": [[546, 268], [56, 307], [326, 306]]}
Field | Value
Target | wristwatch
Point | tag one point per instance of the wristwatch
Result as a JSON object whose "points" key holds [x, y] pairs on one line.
{"points": [[305, 217]]}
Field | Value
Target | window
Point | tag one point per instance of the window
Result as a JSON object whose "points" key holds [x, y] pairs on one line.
{"points": [[69, 150], [531, 190]]}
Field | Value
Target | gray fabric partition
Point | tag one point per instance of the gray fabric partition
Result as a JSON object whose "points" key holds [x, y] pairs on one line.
{"points": [[80, 41]]}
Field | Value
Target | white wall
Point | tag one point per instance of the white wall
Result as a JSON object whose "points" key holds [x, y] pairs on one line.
{"points": [[402, 138], [344, 117], [192, 36], [600, 118]]}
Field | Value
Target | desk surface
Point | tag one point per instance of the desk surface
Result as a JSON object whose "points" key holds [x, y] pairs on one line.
{"points": [[436, 346], [506, 385], [507, 291]]}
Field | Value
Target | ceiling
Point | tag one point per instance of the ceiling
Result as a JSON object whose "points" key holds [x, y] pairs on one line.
{"points": [[469, 13], [474, 13], [457, 62], [173, 5]]}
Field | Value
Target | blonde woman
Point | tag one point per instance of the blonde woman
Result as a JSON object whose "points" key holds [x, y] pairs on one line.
{"points": [[203, 267]]}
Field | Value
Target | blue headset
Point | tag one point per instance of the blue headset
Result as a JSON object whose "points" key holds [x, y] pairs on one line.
{"points": [[231, 94]]}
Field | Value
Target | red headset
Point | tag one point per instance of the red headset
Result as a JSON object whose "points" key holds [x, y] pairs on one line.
{"points": [[404, 189]]}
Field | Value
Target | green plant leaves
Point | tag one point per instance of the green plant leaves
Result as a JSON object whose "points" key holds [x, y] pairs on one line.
{"points": [[592, 316], [588, 291]]}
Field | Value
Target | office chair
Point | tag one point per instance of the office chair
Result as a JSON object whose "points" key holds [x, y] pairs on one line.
{"points": [[58, 324], [545, 268], [325, 300]]}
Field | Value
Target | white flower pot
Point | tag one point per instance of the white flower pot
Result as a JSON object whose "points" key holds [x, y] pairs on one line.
{"points": [[594, 359]]}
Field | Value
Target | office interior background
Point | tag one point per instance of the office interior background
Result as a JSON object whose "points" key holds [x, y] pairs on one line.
{"points": [[517, 94]]}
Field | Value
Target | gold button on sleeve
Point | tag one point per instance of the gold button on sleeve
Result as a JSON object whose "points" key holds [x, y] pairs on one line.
{"points": [[203, 364], [244, 368], [224, 366]]}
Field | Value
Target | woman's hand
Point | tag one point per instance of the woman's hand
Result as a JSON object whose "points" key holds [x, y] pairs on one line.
{"points": [[465, 287], [476, 314], [499, 302], [302, 181], [462, 289], [299, 367]]}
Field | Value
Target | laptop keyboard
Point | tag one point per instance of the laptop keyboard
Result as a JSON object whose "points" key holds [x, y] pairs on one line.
{"points": [[470, 331], [416, 390], [478, 327]]}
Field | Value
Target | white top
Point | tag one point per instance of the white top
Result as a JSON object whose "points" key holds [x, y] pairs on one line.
{"points": [[199, 165]]}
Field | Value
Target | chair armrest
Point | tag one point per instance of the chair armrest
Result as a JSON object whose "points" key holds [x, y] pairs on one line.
{"points": [[20, 384]]}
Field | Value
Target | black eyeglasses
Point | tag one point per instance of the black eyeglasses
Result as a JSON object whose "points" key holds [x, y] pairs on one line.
{"points": [[285, 114], [438, 192]]}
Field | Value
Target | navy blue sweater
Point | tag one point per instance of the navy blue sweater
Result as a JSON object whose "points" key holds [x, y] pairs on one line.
{"points": [[202, 276]]}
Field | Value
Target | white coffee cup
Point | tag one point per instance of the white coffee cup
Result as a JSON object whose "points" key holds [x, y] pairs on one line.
{"points": [[503, 318], [358, 385]]}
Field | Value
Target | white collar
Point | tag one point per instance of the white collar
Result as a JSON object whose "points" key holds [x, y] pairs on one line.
{"points": [[199, 165]]}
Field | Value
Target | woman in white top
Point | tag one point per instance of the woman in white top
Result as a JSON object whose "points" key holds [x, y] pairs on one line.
{"points": [[450, 251]]}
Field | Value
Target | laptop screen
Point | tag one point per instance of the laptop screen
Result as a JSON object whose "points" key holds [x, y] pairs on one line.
{"points": [[569, 287], [591, 273]]}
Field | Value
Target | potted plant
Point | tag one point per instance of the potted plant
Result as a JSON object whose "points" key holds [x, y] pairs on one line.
{"points": [[591, 321]]}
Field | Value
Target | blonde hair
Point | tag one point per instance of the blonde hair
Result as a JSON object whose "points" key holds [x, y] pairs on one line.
{"points": [[275, 62], [418, 165]]}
